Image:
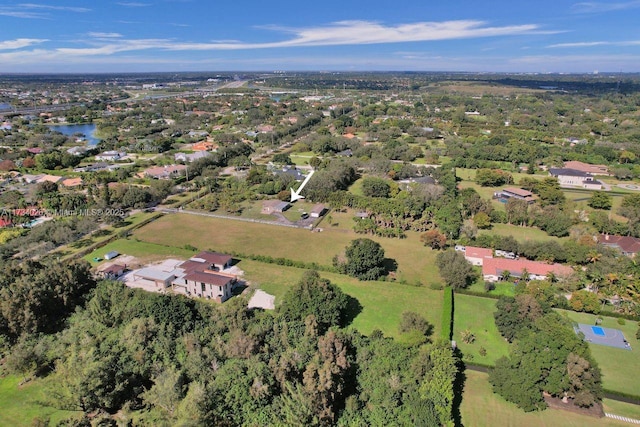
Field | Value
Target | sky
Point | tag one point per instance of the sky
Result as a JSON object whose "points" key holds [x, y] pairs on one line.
{"points": [[65, 36]]}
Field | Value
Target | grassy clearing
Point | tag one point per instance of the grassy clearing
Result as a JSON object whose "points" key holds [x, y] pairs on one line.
{"points": [[481, 407], [619, 367], [144, 251], [20, 403], [621, 408], [382, 302], [520, 233], [415, 262], [476, 315], [356, 188]]}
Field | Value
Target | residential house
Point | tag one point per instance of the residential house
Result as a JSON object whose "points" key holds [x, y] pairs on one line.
{"points": [[190, 157], [477, 256], [274, 206], [213, 260], [494, 268], [202, 276], [49, 178], [110, 156], [204, 146], [575, 178], [587, 168], [628, 245], [77, 151], [515, 193], [113, 271], [291, 171], [72, 182], [164, 172]]}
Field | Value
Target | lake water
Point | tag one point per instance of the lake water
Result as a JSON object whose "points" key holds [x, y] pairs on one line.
{"points": [[88, 130]]}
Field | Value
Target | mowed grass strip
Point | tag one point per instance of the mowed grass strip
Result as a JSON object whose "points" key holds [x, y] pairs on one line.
{"points": [[382, 303], [620, 368], [475, 314], [482, 408], [416, 263], [144, 251], [19, 404]]}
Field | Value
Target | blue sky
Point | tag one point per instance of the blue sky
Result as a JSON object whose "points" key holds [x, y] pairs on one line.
{"points": [[373, 35]]}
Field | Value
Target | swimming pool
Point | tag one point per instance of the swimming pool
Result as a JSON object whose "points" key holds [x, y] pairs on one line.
{"points": [[597, 330]]}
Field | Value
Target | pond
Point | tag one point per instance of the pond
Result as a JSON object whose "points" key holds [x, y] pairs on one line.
{"points": [[87, 129]]}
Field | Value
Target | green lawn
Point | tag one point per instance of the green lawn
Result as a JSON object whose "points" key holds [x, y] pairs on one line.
{"points": [[19, 404], [476, 315], [620, 368], [415, 262], [356, 188], [520, 233], [382, 302], [144, 251], [481, 407]]}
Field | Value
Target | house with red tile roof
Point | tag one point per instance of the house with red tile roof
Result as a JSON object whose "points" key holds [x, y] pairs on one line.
{"points": [[72, 182], [628, 245], [494, 268], [477, 256]]}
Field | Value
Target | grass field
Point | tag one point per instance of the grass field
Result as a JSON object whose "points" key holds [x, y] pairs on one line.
{"points": [[144, 251], [19, 404], [382, 302], [415, 262], [476, 315], [618, 366], [521, 234], [481, 407]]}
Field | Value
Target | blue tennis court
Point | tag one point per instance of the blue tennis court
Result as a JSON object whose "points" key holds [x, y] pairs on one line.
{"points": [[603, 336]]}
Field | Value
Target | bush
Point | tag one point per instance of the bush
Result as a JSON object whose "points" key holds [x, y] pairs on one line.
{"points": [[489, 286], [621, 321], [482, 351]]}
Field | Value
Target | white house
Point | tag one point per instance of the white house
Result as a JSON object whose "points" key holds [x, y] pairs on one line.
{"points": [[575, 178]]}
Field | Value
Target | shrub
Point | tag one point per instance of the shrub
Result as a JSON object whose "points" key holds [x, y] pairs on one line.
{"points": [[621, 321], [482, 351]]}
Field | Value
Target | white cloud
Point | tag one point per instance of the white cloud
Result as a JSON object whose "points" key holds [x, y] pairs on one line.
{"points": [[99, 35], [48, 7], [597, 7], [338, 33], [596, 43], [19, 43]]}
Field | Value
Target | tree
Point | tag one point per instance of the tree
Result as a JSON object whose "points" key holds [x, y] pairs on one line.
{"points": [[434, 239], [375, 187], [584, 300], [454, 269], [600, 200], [482, 220], [364, 260], [315, 296]]}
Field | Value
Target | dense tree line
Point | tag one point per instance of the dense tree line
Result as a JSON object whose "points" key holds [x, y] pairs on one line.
{"points": [[177, 361]]}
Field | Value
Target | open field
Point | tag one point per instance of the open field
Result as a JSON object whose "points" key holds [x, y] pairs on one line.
{"points": [[476, 315], [415, 262], [481, 407], [382, 302], [144, 251], [521, 234], [618, 366], [19, 404]]}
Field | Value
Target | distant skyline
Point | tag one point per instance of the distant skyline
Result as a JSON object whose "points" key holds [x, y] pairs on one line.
{"points": [[64, 36]]}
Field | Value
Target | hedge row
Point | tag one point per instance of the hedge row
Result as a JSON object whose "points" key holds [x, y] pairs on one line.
{"points": [[286, 262], [447, 314]]}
